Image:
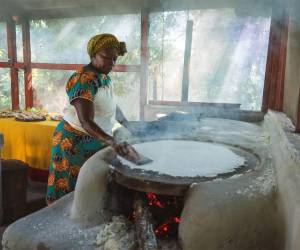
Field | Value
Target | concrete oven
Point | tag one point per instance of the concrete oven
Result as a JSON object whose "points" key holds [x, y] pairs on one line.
{"points": [[248, 202]]}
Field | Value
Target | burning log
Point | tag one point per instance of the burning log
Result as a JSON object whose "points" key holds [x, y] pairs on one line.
{"points": [[144, 228]]}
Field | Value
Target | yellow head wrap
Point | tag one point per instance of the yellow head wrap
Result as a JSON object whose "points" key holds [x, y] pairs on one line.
{"points": [[105, 41]]}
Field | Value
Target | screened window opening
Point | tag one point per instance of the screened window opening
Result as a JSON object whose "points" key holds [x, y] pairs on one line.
{"points": [[49, 89], [227, 58], [126, 87], [5, 89], [64, 40]]}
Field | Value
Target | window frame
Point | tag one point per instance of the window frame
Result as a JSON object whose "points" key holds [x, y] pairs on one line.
{"points": [[274, 74]]}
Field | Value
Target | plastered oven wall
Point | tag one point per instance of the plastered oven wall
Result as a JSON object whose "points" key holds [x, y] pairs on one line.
{"points": [[287, 166]]}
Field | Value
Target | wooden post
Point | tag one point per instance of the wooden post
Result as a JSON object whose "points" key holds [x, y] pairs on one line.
{"points": [[12, 59], [268, 72], [144, 61], [4, 65], [282, 60], [276, 60], [186, 64], [27, 64]]}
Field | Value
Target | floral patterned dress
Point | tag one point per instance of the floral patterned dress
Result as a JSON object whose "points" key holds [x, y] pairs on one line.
{"points": [[72, 147]]}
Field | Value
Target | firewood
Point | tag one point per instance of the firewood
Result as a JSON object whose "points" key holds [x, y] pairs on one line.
{"points": [[143, 227]]}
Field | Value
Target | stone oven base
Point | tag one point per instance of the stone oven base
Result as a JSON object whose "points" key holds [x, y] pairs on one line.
{"points": [[50, 228]]}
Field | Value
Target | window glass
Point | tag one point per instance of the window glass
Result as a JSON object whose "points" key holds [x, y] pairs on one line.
{"points": [[21, 89], [5, 95], [65, 40], [49, 89], [127, 93], [228, 56], [19, 43], [166, 51], [3, 42]]}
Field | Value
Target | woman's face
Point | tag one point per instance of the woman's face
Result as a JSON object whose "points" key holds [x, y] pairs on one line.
{"points": [[105, 59]]}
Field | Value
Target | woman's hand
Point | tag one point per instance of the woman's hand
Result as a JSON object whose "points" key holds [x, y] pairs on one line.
{"points": [[126, 150], [85, 112]]}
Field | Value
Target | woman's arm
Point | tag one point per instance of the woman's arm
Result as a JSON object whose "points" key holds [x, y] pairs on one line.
{"points": [[85, 113]]}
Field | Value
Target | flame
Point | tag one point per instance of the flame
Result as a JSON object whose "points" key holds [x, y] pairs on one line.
{"points": [[164, 228], [153, 201], [169, 225]]}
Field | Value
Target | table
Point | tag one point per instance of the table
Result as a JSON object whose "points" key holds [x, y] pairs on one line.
{"points": [[28, 141]]}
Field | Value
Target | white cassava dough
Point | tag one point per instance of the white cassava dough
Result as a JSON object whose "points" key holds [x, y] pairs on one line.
{"points": [[187, 158], [116, 235]]}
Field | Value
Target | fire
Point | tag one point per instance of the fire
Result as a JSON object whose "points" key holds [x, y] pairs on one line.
{"points": [[165, 227], [153, 201], [170, 225]]}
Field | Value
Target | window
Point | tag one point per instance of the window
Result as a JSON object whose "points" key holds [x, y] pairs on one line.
{"points": [[127, 93], [49, 89], [5, 95], [228, 56], [65, 40], [21, 89], [166, 52], [19, 43], [3, 43]]}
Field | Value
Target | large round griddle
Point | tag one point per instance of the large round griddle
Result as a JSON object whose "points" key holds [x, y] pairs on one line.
{"points": [[150, 181]]}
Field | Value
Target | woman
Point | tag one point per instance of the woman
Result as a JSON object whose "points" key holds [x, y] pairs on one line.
{"points": [[87, 122]]}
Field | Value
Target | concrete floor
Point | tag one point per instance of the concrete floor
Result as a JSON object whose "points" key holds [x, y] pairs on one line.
{"points": [[35, 201]]}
